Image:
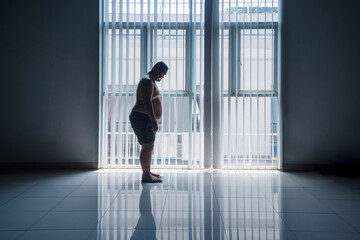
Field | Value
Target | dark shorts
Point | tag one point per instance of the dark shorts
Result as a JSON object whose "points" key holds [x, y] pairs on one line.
{"points": [[141, 125]]}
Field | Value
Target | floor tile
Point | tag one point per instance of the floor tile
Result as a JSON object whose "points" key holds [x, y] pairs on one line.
{"points": [[315, 222], [245, 205], [48, 191], [63, 181], [261, 234], [131, 202], [12, 191], [23, 178], [232, 180], [276, 181], [191, 220], [185, 203], [10, 235], [19, 220], [109, 234], [30, 204], [352, 219], [190, 234], [94, 191], [343, 206], [82, 204], [287, 193], [326, 236], [67, 220], [302, 205], [4, 200], [191, 204], [56, 235], [238, 191], [252, 220], [131, 220], [335, 193], [313, 180], [107, 179]]}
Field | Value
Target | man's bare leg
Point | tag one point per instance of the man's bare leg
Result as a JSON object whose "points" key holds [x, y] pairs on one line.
{"points": [[145, 161]]}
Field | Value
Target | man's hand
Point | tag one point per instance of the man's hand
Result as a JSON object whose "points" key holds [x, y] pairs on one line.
{"points": [[155, 126]]}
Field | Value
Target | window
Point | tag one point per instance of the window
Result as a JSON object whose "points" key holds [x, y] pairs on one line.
{"points": [[137, 34]]}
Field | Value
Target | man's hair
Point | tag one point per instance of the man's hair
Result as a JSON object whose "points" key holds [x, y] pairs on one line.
{"points": [[159, 66]]}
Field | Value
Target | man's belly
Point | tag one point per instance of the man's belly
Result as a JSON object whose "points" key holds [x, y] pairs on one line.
{"points": [[157, 108]]}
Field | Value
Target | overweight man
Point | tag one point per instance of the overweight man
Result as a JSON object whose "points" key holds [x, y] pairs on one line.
{"points": [[145, 115]]}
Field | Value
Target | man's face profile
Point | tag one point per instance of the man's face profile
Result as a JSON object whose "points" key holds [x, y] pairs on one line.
{"points": [[161, 76]]}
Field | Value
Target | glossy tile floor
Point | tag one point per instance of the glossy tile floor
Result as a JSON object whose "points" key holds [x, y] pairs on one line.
{"points": [[114, 204]]}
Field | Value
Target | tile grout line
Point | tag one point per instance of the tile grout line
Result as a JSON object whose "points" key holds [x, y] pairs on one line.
{"points": [[276, 211], [218, 205], [122, 188], [162, 211], [338, 215], [47, 212]]}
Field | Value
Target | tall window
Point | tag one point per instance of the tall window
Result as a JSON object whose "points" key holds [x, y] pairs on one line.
{"points": [[248, 78], [138, 33]]}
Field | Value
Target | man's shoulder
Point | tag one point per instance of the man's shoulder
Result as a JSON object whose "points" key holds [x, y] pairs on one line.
{"points": [[146, 76]]}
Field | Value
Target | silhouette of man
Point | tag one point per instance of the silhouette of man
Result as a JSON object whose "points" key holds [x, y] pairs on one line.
{"points": [[144, 116]]}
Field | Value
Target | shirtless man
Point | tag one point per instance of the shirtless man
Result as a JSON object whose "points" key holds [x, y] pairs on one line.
{"points": [[144, 116]]}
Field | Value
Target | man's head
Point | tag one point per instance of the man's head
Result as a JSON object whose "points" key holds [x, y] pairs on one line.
{"points": [[158, 71]]}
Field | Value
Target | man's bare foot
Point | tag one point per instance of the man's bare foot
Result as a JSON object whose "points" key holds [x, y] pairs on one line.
{"points": [[155, 174], [150, 179]]}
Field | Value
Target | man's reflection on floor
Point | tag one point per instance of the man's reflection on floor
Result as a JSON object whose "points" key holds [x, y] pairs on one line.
{"points": [[146, 221]]}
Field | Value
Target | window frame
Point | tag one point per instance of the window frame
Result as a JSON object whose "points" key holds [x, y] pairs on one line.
{"points": [[146, 53]]}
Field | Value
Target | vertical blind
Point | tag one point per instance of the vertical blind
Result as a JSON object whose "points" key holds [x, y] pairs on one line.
{"points": [[248, 78], [138, 33]]}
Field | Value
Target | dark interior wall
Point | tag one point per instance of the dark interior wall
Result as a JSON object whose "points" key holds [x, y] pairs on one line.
{"points": [[320, 83], [49, 70]]}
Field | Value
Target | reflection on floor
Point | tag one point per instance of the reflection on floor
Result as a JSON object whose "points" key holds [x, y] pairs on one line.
{"points": [[114, 204]]}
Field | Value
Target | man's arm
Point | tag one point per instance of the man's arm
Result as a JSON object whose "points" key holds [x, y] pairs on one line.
{"points": [[147, 89]]}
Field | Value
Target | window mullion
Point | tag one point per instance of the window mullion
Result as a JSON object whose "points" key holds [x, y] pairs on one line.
{"points": [[150, 60], [275, 85], [232, 60], [143, 49], [188, 57]]}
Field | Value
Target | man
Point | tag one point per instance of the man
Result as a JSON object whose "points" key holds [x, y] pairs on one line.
{"points": [[144, 116]]}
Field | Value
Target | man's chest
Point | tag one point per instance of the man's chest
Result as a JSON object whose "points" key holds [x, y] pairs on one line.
{"points": [[156, 91]]}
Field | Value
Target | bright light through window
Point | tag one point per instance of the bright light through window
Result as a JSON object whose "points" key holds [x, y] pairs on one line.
{"points": [[137, 34]]}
